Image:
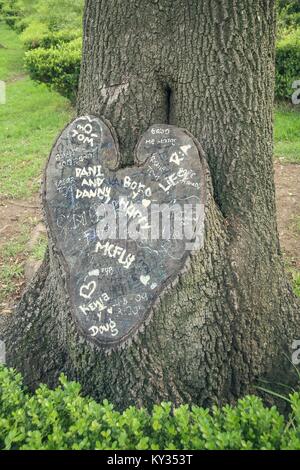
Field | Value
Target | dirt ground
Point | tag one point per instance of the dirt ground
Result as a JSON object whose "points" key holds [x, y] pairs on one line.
{"points": [[14, 214], [17, 217], [287, 182]]}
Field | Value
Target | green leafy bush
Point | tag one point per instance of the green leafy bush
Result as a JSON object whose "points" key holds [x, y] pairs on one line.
{"points": [[33, 34], [54, 15], [51, 22], [59, 14], [36, 36], [64, 419], [287, 64], [58, 66], [288, 16], [11, 11], [51, 30]]}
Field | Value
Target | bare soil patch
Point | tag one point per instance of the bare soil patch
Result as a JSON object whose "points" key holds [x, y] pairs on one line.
{"points": [[287, 182], [19, 220]]}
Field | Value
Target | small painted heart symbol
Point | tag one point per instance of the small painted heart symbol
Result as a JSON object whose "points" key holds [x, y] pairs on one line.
{"points": [[87, 290], [144, 279], [109, 310], [146, 202]]}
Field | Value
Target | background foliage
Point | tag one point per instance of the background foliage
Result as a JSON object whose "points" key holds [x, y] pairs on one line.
{"points": [[288, 15], [51, 31]]}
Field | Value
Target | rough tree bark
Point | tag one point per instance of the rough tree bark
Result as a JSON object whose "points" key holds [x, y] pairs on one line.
{"points": [[206, 66]]}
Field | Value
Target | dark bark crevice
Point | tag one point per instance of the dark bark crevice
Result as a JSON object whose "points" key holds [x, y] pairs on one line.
{"points": [[169, 98]]}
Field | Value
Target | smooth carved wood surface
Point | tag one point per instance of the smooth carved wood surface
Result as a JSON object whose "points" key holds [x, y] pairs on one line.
{"points": [[114, 282]]}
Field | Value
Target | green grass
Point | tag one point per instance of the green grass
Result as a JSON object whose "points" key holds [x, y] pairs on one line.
{"points": [[293, 274], [11, 263], [9, 274], [296, 283], [287, 133], [29, 122], [12, 256], [39, 248], [11, 57], [297, 224], [15, 246]]}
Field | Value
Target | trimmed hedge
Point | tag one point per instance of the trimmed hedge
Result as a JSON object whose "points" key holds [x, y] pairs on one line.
{"points": [[288, 15], [64, 419], [287, 64], [53, 15], [33, 37], [10, 12], [58, 66]]}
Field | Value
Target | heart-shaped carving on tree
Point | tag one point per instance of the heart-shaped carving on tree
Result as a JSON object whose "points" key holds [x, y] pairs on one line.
{"points": [[87, 290], [123, 235]]}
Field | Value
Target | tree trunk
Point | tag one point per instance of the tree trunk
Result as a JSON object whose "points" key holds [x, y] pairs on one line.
{"points": [[206, 66]]}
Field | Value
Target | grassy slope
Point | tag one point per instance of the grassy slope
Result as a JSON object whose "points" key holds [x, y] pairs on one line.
{"points": [[29, 122]]}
